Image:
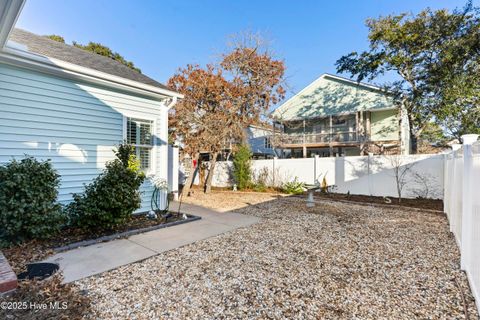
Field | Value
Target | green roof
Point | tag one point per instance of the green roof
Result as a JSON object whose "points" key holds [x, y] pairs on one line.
{"points": [[333, 95]]}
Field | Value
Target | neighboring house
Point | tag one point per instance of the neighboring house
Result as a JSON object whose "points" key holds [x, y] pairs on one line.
{"points": [[62, 103], [260, 141], [337, 116]]}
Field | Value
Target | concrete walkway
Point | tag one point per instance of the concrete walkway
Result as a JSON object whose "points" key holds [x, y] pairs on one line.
{"points": [[87, 261]]}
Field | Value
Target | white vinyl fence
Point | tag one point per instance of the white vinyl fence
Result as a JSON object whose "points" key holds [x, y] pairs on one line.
{"points": [[366, 175], [173, 171], [462, 206]]}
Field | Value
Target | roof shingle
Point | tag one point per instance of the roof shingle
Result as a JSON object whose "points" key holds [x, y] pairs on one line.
{"points": [[64, 52]]}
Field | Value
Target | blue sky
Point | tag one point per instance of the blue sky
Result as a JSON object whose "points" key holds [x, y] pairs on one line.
{"points": [[161, 36]]}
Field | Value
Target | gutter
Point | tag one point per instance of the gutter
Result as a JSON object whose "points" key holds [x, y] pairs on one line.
{"points": [[67, 70], [170, 104]]}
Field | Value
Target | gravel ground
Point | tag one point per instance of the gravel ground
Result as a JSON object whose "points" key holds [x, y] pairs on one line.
{"points": [[334, 261]]}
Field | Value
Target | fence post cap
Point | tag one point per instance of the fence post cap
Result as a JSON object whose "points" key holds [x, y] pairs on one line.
{"points": [[469, 138]]}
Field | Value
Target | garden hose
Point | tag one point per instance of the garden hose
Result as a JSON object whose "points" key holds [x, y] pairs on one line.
{"points": [[159, 198]]}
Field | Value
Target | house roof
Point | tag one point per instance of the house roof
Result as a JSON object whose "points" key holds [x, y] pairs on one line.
{"points": [[332, 95], [52, 49]]}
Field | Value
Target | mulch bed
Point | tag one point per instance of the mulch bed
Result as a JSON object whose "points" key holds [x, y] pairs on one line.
{"points": [[431, 204], [36, 250], [196, 188], [46, 299]]}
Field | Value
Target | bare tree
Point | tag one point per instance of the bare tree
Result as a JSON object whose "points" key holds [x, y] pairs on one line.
{"points": [[400, 168], [426, 185]]}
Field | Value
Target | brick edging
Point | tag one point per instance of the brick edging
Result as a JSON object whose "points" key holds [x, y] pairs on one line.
{"points": [[8, 278], [125, 234]]}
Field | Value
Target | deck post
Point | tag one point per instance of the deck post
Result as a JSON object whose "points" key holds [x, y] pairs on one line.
{"points": [[330, 147], [361, 136], [304, 141]]}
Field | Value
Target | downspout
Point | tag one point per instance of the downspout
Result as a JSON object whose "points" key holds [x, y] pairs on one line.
{"points": [[173, 101]]}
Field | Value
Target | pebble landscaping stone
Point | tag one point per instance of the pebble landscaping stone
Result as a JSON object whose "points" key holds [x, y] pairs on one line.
{"points": [[332, 261]]}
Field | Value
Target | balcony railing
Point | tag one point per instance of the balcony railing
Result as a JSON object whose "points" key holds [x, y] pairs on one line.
{"points": [[319, 138]]}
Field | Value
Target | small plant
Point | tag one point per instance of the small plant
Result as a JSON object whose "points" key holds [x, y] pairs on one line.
{"points": [[112, 197], [242, 167], [325, 187], [401, 170], [261, 179], [425, 186], [259, 187], [294, 187], [28, 195]]}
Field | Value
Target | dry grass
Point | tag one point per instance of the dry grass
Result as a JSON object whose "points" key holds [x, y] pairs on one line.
{"points": [[227, 201]]}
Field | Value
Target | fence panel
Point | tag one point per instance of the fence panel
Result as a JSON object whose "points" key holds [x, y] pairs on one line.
{"points": [[366, 175], [462, 207], [473, 251]]}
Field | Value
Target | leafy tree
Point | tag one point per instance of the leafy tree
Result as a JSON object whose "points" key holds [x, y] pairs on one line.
{"points": [[423, 51], [458, 111], [433, 133], [105, 51], [194, 121], [242, 167], [55, 37], [221, 101], [97, 48]]}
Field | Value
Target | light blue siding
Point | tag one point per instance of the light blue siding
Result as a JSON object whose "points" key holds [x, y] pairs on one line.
{"points": [[256, 140], [76, 125]]}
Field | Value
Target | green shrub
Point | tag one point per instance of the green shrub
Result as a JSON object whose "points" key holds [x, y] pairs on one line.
{"points": [[294, 187], [242, 167], [28, 195], [259, 187], [112, 197]]}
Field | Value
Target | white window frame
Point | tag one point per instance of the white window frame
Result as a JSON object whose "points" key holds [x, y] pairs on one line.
{"points": [[267, 143], [153, 156]]}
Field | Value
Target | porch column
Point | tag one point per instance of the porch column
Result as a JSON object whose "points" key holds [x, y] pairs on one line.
{"points": [[330, 137], [369, 127], [304, 141], [361, 135]]}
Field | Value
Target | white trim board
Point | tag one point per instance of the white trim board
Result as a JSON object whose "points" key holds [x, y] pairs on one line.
{"points": [[71, 71]]}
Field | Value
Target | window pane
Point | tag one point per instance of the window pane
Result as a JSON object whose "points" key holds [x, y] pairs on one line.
{"points": [[139, 134], [145, 133], [131, 131], [139, 131], [144, 157]]}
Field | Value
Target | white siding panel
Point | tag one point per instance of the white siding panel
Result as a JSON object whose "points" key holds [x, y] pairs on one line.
{"points": [[76, 125]]}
